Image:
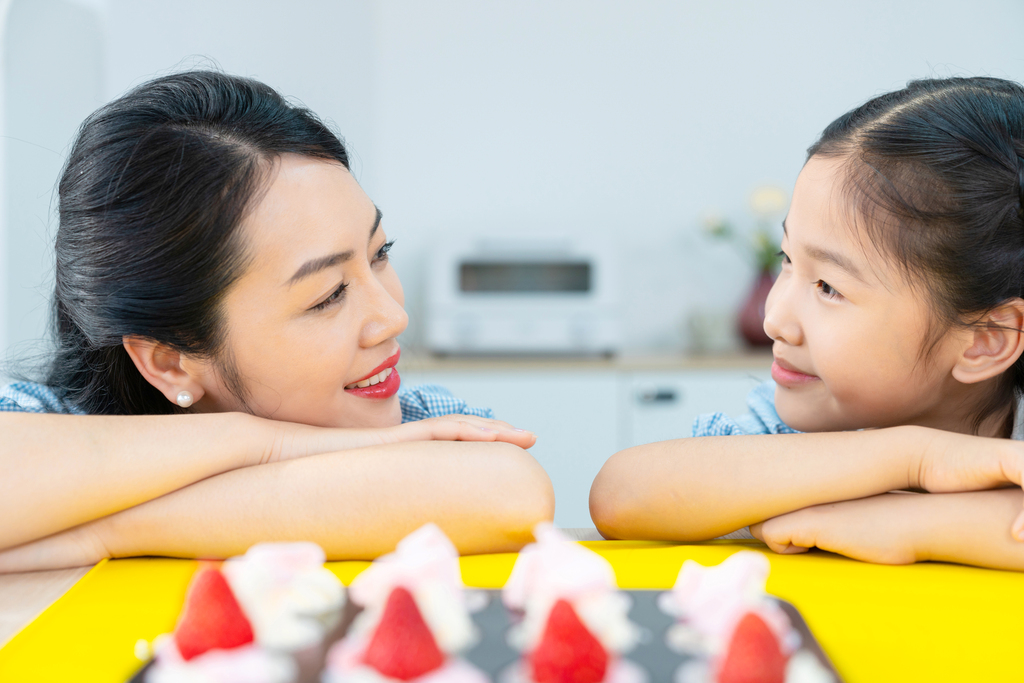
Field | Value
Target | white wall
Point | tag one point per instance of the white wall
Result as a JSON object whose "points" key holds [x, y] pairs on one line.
{"points": [[51, 72], [621, 118]]}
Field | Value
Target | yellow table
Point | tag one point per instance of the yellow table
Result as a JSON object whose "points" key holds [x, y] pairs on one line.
{"points": [[925, 622]]}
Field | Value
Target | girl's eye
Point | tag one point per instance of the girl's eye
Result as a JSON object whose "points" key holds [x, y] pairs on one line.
{"points": [[827, 290], [336, 296], [382, 253], [784, 256]]}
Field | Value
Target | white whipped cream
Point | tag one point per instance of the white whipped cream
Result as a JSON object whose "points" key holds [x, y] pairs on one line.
{"points": [[245, 664], [557, 568], [287, 594], [712, 600], [455, 670], [427, 565]]}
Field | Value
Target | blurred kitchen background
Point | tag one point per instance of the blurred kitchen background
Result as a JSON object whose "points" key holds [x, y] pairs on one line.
{"points": [[595, 142]]}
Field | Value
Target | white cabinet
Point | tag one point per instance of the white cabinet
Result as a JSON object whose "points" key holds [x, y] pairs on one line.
{"points": [[659, 406], [583, 416]]}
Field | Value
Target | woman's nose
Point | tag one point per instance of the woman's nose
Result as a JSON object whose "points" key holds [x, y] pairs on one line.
{"points": [[385, 317], [780, 320]]}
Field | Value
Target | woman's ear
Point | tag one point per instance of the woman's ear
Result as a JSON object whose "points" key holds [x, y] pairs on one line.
{"points": [[993, 345], [162, 367]]}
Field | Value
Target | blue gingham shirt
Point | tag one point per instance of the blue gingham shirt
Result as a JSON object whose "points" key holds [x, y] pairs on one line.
{"points": [[418, 403], [762, 418]]}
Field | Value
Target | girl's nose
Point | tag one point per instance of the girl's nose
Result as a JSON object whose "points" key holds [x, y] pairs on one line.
{"points": [[780, 320]]}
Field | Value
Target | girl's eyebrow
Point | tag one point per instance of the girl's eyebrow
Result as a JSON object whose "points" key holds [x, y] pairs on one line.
{"points": [[827, 256], [323, 262]]}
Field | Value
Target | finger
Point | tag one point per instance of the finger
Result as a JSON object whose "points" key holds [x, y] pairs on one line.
{"points": [[755, 531], [791, 549], [1018, 527]]}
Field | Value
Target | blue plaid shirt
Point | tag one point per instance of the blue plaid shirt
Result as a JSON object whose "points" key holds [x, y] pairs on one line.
{"points": [[762, 418], [418, 403]]}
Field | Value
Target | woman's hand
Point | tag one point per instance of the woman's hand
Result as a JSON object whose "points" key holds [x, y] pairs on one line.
{"points": [[460, 428], [881, 529], [288, 440]]}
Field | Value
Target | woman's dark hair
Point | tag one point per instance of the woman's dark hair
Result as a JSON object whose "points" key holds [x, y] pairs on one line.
{"points": [[935, 174], [148, 244]]}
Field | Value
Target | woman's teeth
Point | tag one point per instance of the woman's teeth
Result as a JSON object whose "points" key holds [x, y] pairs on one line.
{"points": [[370, 381]]}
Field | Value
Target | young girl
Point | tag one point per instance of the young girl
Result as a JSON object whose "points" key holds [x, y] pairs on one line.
{"points": [[225, 323], [890, 431]]}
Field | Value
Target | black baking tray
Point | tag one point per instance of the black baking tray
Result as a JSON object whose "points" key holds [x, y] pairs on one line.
{"points": [[493, 655]]}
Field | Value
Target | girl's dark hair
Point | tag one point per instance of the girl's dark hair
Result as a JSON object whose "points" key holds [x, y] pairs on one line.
{"points": [[150, 202], [935, 173]]}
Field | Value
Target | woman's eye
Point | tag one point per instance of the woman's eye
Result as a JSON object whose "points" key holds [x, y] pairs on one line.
{"points": [[382, 253], [784, 256], [828, 291], [335, 296]]}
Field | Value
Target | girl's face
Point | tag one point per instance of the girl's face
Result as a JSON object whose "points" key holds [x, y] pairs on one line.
{"points": [[849, 329], [318, 309]]}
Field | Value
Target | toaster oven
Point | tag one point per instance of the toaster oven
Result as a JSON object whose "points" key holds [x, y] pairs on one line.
{"points": [[522, 296]]}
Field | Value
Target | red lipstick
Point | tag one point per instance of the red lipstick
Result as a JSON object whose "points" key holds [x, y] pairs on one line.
{"points": [[387, 387]]}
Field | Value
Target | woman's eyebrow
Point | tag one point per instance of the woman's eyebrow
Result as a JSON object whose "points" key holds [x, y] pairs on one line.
{"points": [[316, 265]]}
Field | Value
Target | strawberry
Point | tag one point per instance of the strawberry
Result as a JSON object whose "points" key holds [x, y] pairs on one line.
{"points": [[403, 647], [568, 652], [754, 655], [212, 617]]}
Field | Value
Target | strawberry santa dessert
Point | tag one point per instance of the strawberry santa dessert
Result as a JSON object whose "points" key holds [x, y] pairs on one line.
{"points": [[735, 630], [214, 641], [415, 621], [293, 602], [574, 627]]}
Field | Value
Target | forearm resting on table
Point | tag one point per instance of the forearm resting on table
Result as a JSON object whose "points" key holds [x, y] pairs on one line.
{"points": [[59, 471], [356, 504], [703, 487], [967, 528]]}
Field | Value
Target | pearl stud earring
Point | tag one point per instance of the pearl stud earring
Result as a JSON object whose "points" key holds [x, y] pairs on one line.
{"points": [[184, 399]]}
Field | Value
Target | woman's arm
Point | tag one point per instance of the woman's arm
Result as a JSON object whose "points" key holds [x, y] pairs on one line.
{"points": [[357, 504], [703, 487], [901, 528], [60, 471]]}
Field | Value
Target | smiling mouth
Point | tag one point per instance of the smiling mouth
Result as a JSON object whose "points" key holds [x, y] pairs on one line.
{"points": [[371, 380], [786, 375]]}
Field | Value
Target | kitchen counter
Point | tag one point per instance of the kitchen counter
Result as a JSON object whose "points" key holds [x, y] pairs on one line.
{"points": [[747, 360]]}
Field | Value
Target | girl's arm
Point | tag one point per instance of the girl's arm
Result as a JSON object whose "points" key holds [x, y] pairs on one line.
{"points": [[357, 504], [703, 487], [59, 471], [900, 528]]}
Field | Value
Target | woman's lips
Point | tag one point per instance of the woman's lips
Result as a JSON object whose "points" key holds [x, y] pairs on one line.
{"points": [[385, 389], [384, 378], [788, 377]]}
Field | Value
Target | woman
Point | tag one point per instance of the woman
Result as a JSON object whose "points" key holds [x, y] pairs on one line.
{"points": [[226, 321]]}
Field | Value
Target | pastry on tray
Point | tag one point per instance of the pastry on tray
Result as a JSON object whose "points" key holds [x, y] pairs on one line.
{"points": [[574, 627], [276, 615], [263, 617], [415, 622], [735, 630]]}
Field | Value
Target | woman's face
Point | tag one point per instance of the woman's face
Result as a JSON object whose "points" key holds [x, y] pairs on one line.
{"points": [[318, 309]]}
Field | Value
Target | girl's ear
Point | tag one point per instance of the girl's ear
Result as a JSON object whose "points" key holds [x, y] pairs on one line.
{"points": [[162, 367], [994, 344]]}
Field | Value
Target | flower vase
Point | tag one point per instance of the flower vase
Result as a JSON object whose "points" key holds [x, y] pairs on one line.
{"points": [[751, 317]]}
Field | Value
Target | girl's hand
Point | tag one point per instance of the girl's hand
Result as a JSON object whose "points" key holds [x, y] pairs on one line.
{"points": [[288, 440], [952, 462], [878, 529]]}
